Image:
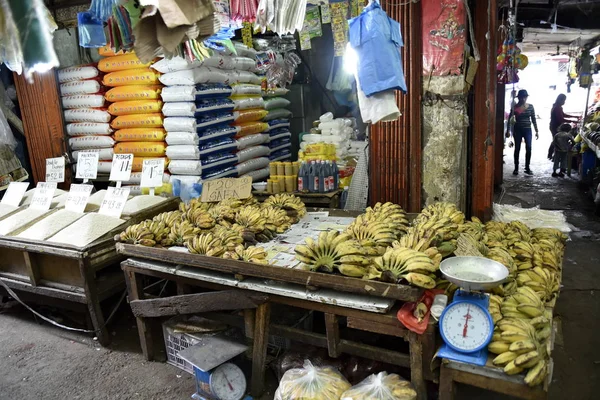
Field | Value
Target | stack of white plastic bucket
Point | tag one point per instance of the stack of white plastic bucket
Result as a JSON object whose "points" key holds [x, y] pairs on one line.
{"points": [[333, 131]]}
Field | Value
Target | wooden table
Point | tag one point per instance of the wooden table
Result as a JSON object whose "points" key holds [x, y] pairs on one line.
{"points": [[318, 200], [357, 311]]}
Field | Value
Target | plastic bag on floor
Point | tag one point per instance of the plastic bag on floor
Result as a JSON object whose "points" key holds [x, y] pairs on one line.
{"points": [[310, 382], [532, 217], [381, 387]]}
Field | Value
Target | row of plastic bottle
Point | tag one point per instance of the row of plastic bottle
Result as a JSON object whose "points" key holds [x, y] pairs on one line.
{"points": [[318, 176]]}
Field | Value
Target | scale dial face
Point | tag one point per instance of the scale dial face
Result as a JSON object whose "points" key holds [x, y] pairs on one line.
{"points": [[227, 382], [466, 327]]}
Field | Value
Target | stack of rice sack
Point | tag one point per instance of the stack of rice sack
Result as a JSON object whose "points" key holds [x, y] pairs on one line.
{"points": [[278, 118], [135, 105], [87, 121], [213, 111]]}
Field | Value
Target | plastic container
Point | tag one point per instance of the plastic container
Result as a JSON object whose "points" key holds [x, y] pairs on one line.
{"points": [[295, 167], [289, 183], [273, 168], [280, 168]]}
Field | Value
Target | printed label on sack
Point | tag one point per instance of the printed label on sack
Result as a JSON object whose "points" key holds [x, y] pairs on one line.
{"points": [[55, 169], [14, 194], [121, 167], [152, 172], [43, 195], [78, 197], [226, 188], [300, 184], [87, 165], [114, 201], [316, 184]]}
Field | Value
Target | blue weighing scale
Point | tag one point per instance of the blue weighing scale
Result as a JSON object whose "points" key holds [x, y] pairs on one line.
{"points": [[466, 324]]}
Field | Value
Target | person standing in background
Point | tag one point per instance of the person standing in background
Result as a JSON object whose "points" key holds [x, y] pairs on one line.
{"points": [[524, 116], [557, 118]]}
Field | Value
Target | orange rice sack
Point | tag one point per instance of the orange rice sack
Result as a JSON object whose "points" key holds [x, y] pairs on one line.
{"points": [[137, 76], [107, 51], [120, 63], [135, 92], [135, 107], [136, 166], [140, 135], [255, 114], [141, 149], [137, 121], [250, 128]]}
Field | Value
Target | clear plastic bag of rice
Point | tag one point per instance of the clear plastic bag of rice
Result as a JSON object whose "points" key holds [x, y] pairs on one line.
{"points": [[381, 386], [86, 230], [6, 209], [20, 219], [311, 383], [50, 225], [139, 203]]}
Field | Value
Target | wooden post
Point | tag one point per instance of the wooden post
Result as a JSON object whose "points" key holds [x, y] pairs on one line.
{"points": [[32, 268], [416, 366], [135, 291], [333, 335], [93, 302], [499, 135], [259, 354], [447, 390]]}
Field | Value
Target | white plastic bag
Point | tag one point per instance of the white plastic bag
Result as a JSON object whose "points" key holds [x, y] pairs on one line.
{"points": [[381, 386], [185, 167], [79, 87], [77, 74], [178, 93], [83, 101], [310, 382], [6, 135], [86, 115], [179, 109], [276, 102], [179, 138], [183, 152], [88, 128]]}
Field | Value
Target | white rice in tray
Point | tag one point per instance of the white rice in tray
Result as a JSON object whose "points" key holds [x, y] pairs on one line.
{"points": [[20, 219], [59, 201], [50, 225], [86, 230], [6, 209], [139, 203]]}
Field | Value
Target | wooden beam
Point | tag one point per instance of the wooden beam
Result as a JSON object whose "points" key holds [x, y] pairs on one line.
{"points": [[259, 352], [196, 303], [332, 327], [499, 135], [32, 268]]}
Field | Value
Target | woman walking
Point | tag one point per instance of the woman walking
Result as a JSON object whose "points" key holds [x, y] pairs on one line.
{"points": [[557, 118], [524, 114]]}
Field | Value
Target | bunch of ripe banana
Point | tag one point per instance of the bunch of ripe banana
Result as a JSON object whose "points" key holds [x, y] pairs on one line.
{"points": [[494, 307], [169, 217], [206, 244], [389, 213], [525, 303], [293, 206], [252, 254], [425, 245], [551, 234], [194, 204], [180, 233], [401, 263], [334, 251], [443, 220], [372, 233], [442, 210], [475, 228], [518, 348], [147, 233], [248, 222], [276, 219], [448, 287], [200, 218], [543, 281], [503, 257], [230, 238]]}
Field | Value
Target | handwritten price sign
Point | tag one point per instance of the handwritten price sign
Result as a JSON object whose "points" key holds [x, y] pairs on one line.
{"points": [[87, 165], [55, 169], [120, 170], [14, 193], [226, 188], [152, 172], [114, 202], [78, 197], [43, 195]]}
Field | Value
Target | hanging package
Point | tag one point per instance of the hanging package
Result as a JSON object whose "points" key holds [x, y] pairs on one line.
{"points": [[91, 30]]}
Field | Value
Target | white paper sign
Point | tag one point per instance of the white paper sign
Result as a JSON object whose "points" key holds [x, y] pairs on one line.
{"points": [[114, 201], [14, 193], [121, 167], [43, 195], [152, 172], [87, 165], [55, 169], [78, 197]]}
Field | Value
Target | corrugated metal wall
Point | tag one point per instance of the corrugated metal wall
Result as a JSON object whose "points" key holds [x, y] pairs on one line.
{"points": [[395, 147]]}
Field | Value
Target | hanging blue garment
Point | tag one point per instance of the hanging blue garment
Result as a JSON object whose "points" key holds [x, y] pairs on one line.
{"points": [[377, 39]]}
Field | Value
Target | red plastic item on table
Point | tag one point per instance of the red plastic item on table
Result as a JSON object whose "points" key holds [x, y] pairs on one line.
{"points": [[406, 316]]}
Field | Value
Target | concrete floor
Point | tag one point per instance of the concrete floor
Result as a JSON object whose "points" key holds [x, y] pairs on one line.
{"points": [[41, 362]]}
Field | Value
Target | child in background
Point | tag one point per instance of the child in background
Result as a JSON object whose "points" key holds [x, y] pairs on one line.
{"points": [[562, 145]]}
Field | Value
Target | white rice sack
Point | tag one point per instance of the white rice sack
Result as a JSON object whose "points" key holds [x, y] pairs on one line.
{"points": [[140, 203], [252, 165], [20, 219], [278, 113], [136, 178], [259, 174], [179, 138], [208, 75], [6, 209], [104, 167], [179, 109], [103, 154], [252, 140], [277, 92], [86, 115], [86, 230], [50, 225], [179, 124], [183, 152], [246, 89], [229, 62], [276, 102], [174, 64], [77, 74], [79, 87], [252, 152], [83, 101], [88, 128], [91, 142], [244, 51], [249, 102], [185, 167], [178, 93]]}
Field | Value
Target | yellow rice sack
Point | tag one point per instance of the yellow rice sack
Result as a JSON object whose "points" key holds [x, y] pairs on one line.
{"points": [[136, 166], [141, 149], [250, 128], [135, 92], [140, 135], [255, 114], [135, 107], [137, 76], [138, 121], [120, 63], [107, 51]]}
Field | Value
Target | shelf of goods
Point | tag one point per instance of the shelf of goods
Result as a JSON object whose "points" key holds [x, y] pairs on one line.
{"points": [[67, 259]]}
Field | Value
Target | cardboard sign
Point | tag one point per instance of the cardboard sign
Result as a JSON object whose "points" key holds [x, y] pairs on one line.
{"points": [[114, 201], [87, 165], [14, 193], [221, 189], [55, 169], [152, 172], [120, 169], [78, 197], [43, 195]]}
